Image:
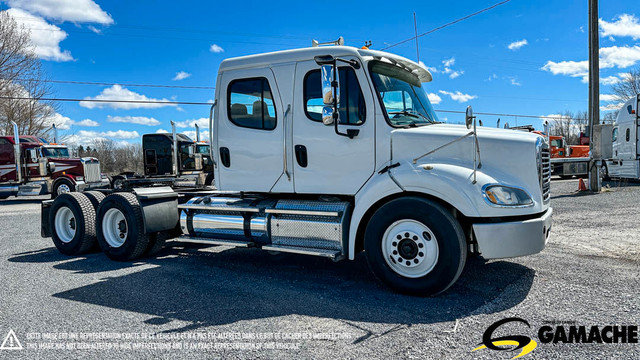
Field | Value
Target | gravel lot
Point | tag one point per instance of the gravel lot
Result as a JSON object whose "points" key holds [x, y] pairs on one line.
{"points": [[239, 303]]}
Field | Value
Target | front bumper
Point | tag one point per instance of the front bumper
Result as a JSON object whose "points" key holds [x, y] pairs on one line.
{"points": [[513, 239], [83, 186]]}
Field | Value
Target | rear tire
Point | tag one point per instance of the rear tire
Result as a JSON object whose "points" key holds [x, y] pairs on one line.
{"points": [[120, 227], [604, 172], [95, 197], [415, 246], [72, 220]]}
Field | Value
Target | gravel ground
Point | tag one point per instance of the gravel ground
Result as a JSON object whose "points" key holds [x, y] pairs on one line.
{"points": [[239, 303]]}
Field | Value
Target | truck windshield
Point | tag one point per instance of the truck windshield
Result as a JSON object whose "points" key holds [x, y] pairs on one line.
{"points": [[202, 149], [55, 152], [403, 98]]}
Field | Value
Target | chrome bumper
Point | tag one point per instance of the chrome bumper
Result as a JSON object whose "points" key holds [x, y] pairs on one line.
{"points": [[513, 239], [83, 186]]}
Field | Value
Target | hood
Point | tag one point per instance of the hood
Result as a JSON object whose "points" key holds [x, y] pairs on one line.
{"points": [[508, 157]]}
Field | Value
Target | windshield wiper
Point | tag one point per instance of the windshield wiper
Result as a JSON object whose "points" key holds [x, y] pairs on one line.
{"points": [[404, 112]]}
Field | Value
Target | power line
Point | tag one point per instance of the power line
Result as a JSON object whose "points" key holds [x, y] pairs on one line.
{"points": [[209, 104], [107, 100], [122, 84], [447, 24]]}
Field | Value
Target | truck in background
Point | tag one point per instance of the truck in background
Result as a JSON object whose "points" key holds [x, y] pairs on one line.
{"points": [[569, 160], [621, 148], [331, 151], [30, 166], [189, 165]]}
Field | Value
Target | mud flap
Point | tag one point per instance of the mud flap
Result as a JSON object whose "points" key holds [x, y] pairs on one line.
{"points": [[159, 208], [45, 207]]}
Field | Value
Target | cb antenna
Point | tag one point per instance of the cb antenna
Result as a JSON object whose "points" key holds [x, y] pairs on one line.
{"points": [[415, 27]]}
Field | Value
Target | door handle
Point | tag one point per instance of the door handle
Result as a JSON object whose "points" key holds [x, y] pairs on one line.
{"points": [[225, 157], [301, 155]]}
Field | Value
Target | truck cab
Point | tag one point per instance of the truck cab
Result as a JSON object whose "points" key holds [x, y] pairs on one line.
{"points": [[624, 159], [331, 151], [31, 166]]}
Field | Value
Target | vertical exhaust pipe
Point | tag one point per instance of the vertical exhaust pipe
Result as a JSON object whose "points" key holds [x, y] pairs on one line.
{"points": [[16, 149], [197, 133], [55, 134], [175, 148]]}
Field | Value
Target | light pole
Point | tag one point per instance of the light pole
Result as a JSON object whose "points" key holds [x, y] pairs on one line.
{"points": [[594, 97]]}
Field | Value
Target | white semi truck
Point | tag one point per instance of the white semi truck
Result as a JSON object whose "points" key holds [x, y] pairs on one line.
{"points": [[331, 151], [621, 148]]}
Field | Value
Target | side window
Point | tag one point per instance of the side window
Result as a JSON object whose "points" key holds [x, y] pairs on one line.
{"points": [[628, 134], [352, 106], [250, 104], [614, 136]]}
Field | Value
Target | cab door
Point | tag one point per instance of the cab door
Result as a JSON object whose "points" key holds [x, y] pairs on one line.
{"points": [[325, 162], [249, 132]]}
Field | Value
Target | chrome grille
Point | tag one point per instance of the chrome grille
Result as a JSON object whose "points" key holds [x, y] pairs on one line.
{"points": [[91, 171], [545, 174]]}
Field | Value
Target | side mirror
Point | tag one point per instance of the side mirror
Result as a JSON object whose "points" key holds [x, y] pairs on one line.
{"points": [[468, 119], [329, 86], [52, 167]]}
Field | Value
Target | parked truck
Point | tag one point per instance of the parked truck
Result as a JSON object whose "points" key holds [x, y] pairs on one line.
{"points": [[569, 160], [331, 151], [31, 166], [621, 148], [173, 159]]}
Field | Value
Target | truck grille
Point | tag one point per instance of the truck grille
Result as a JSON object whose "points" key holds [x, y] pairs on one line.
{"points": [[92, 171], [545, 174]]}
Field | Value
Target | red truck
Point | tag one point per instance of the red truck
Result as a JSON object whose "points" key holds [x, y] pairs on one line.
{"points": [[31, 166]]}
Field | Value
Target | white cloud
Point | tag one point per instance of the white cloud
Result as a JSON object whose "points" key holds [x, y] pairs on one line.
{"points": [[45, 37], [449, 62], [181, 75], [216, 49], [624, 25], [609, 80], [434, 98], [608, 97], [610, 57], [60, 121], [517, 44], [161, 131], [514, 81], [95, 29], [119, 134], [88, 122], [458, 96], [492, 77], [611, 107], [204, 134], [117, 92], [140, 120], [77, 11], [455, 74], [202, 122]]}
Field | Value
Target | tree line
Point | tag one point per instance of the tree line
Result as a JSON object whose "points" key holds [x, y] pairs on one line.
{"points": [[114, 158]]}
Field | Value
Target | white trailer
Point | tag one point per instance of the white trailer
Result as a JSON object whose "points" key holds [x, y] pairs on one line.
{"points": [[331, 151], [621, 147]]}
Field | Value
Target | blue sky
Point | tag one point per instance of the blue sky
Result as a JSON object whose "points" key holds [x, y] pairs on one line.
{"points": [[523, 57]]}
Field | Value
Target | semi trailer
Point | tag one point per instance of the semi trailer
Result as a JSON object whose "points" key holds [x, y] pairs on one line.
{"points": [[333, 151], [32, 166]]}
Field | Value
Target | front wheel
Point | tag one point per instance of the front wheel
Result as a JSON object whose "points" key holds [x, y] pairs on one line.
{"points": [[62, 187], [415, 246]]}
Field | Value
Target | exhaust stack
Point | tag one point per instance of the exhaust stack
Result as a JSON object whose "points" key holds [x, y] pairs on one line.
{"points": [[55, 133], [175, 148], [197, 133], [16, 149]]}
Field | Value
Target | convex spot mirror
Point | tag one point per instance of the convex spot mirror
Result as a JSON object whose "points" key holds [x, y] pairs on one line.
{"points": [[469, 117]]}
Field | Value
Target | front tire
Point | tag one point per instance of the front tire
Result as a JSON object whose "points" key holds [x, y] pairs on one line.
{"points": [[415, 246], [72, 219], [120, 227], [63, 186]]}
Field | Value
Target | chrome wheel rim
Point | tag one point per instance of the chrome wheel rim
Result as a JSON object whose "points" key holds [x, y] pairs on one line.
{"points": [[65, 224], [63, 188], [117, 184], [114, 227], [410, 248]]}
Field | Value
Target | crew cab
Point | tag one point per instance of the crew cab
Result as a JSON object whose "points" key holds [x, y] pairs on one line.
{"points": [[331, 151]]}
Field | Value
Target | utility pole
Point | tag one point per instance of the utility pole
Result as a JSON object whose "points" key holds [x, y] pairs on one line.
{"points": [[594, 97]]}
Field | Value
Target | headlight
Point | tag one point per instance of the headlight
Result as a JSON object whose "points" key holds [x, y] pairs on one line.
{"points": [[506, 196], [80, 178]]}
